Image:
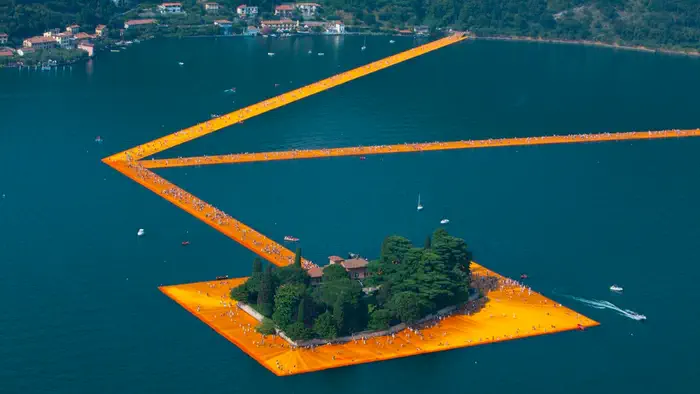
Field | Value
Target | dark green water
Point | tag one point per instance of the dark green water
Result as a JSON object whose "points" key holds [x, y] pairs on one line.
{"points": [[577, 218]]}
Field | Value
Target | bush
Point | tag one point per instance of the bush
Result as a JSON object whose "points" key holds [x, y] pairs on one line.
{"points": [[324, 326], [298, 331], [266, 327], [379, 320]]}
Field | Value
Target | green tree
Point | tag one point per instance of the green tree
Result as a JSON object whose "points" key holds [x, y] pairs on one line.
{"points": [[379, 319], [426, 245], [394, 249], [287, 300], [297, 331], [302, 314], [406, 306], [334, 272], [266, 293], [257, 265], [324, 326], [297, 258], [266, 327]]}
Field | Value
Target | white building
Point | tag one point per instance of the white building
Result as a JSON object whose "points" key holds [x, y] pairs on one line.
{"points": [[335, 27], [308, 9], [284, 10], [73, 29], [3, 38], [280, 25], [170, 8], [245, 11], [65, 40], [211, 7]]}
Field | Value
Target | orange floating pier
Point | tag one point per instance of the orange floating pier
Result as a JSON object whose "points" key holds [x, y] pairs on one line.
{"points": [[417, 147], [512, 312]]}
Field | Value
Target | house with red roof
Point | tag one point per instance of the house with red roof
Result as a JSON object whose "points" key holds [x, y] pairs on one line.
{"points": [[284, 10]]}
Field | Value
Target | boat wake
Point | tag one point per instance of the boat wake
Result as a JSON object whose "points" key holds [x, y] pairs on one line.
{"points": [[598, 304]]}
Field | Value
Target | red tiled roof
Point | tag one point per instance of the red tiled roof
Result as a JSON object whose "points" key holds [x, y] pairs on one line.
{"points": [[81, 36], [100, 27], [171, 4], [285, 7], [140, 21], [309, 4], [40, 39], [315, 272], [5, 53], [354, 263], [335, 258], [3, 35], [72, 26], [222, 21], [241, 6], [86, 44]]}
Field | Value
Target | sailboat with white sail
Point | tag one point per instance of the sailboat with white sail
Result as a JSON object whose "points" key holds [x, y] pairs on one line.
{"points": [[419, 207]]}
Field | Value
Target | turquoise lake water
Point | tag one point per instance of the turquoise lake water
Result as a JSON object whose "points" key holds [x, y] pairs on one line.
{"points": [[81, 312]]}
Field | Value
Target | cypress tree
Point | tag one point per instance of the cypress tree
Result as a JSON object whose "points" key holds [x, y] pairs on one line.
{"points": [[297, 258], [257, 265], [428, 241], [301, 316], [266, 292]]}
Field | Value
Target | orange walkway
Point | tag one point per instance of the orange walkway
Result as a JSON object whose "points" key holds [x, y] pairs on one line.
{"points": [[416, 147], [511, 313], [246, 113]]}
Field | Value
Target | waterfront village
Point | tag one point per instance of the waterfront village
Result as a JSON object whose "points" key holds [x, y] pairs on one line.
{"points": [[74, 42]]}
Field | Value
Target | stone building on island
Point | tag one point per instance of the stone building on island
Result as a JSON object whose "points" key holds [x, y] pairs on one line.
{"points": [[356, 268]]}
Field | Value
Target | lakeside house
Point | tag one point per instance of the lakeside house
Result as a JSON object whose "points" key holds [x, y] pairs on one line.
{"points": [[170, 8], [308, 9], [73, 29], [355, 267], [284, 10], [83, 36], [225, 25], [421, 30], [39, 42], [65, 40], [3, 38], [211, 7], [52, 32], [87, 47], [101, 30], [280, 25], [137, 23], [252, 31], [335, 27], [245, 11]]}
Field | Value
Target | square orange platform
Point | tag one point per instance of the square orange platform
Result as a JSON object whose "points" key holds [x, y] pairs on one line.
{"points": [[512, 312]]}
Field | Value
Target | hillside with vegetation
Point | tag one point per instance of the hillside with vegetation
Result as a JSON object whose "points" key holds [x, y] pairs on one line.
{"points": [[655, 23]]}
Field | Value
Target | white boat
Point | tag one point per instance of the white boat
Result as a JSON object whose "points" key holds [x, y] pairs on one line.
{"points": [[444, 221], [321, 54], [181, 63], [270, 54], [364, 44], [391, 41], [310, 52], [114, 50], [616, 288], [419, 207], [141, 232]]}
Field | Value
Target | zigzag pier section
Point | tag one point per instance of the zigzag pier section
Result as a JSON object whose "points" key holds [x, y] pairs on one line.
{"points": [[416, 147], [513, 311]]}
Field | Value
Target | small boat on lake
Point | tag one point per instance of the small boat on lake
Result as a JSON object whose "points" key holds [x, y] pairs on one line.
{"points": [[141, 232], [391, 41], [321, 54], [270, 54], [288, 238], [181, 63], [616, 288], [364, 44], [98, 139], [185, 243], [214, 116], [222, 277], [419, 207], [444, 221]]}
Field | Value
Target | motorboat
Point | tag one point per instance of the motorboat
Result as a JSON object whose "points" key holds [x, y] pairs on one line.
{"points": [[141, 232], [444, 221], [181, 63], [114, 50], [214, 116], [232, 90], [616, 288], [288, 238], [222, 277], [185, 243], [419, 207], [321, 54], [523, 276], [391, 41], [98, 139], [310, 52], [363, 158], [270, 54]]}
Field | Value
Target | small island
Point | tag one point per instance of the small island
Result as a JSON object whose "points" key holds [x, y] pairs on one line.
{"points": [[355, 297]]}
